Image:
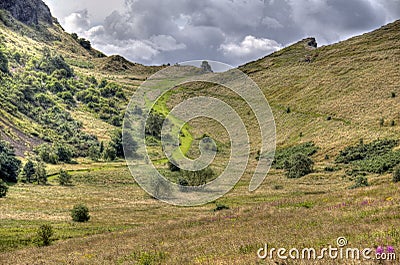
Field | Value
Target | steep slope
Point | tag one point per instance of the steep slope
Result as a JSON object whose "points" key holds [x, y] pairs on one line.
{"points": [[54, 87], [337, 94]]}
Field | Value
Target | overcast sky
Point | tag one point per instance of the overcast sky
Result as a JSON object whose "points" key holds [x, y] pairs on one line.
{"points": [[230, 31]]}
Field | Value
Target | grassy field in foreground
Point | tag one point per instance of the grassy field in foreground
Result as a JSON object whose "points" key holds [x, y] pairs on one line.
{"points": [[129, 227]]}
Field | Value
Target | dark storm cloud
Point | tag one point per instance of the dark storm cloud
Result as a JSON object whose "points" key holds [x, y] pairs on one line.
{"points": [[232, 31]]}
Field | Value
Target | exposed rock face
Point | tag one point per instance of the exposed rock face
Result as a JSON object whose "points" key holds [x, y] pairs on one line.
{"points": [[312, 42], [30, 12]]}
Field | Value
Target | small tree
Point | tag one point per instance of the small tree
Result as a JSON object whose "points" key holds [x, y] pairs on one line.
{"points": [[44, 234], [64, 153], [80, 213], [9, 164], [396, 174], [29, 171], [3, 189], [94, 153], [40, 173], [109, 153], [64, 178], [298, 165]]}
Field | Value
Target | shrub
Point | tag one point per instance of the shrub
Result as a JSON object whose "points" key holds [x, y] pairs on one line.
{"points": [[360, 181], [197, 178], [94, 153], [3, 63], [393, 94], [396, 173], [173, 167], [298, 166], [363, 151], [64, 178], [80, 213], [44, 234], [85, 43], [281, 155], [154, 125], [3, 189], [46, 154], [220, 207]]}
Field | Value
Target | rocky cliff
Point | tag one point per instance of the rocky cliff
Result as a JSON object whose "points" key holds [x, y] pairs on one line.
{"points": [[30, 12]]}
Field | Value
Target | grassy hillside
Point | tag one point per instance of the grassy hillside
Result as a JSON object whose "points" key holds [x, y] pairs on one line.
{"points": [[351, 83], [54, 88], [51, 73]]}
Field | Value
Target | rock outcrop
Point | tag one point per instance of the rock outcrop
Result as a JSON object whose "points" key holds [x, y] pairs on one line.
{"points": [[30, 12]]}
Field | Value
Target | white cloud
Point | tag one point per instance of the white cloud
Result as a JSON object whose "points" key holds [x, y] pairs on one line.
{"points": [[251, 47], [165, 43], [134, 50], [77, 22]]}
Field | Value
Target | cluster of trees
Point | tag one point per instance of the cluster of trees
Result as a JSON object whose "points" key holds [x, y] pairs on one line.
{"points": [[105, 99], [34, 172], [83, 42], [53, 154]]}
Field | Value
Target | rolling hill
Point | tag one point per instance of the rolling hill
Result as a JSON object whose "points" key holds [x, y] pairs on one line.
{"points": [[337, 104]]}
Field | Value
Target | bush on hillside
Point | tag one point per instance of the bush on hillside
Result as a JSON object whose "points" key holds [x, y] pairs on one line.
{"points": [[3, 189], [282, 155], [43, 235], [80, 213], [298, 165]]}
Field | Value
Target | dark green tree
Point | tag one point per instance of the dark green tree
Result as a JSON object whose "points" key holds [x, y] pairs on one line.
{"points": [[154, 125], [116, 143], [64, 178], [28, 171], [80, 213], [9, 164], [63, 152], [109, 153], [94, 153], [40, 173], [3, 189]]}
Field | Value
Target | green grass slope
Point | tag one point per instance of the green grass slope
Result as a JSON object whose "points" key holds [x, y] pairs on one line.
{"points": [[337, 94]]}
